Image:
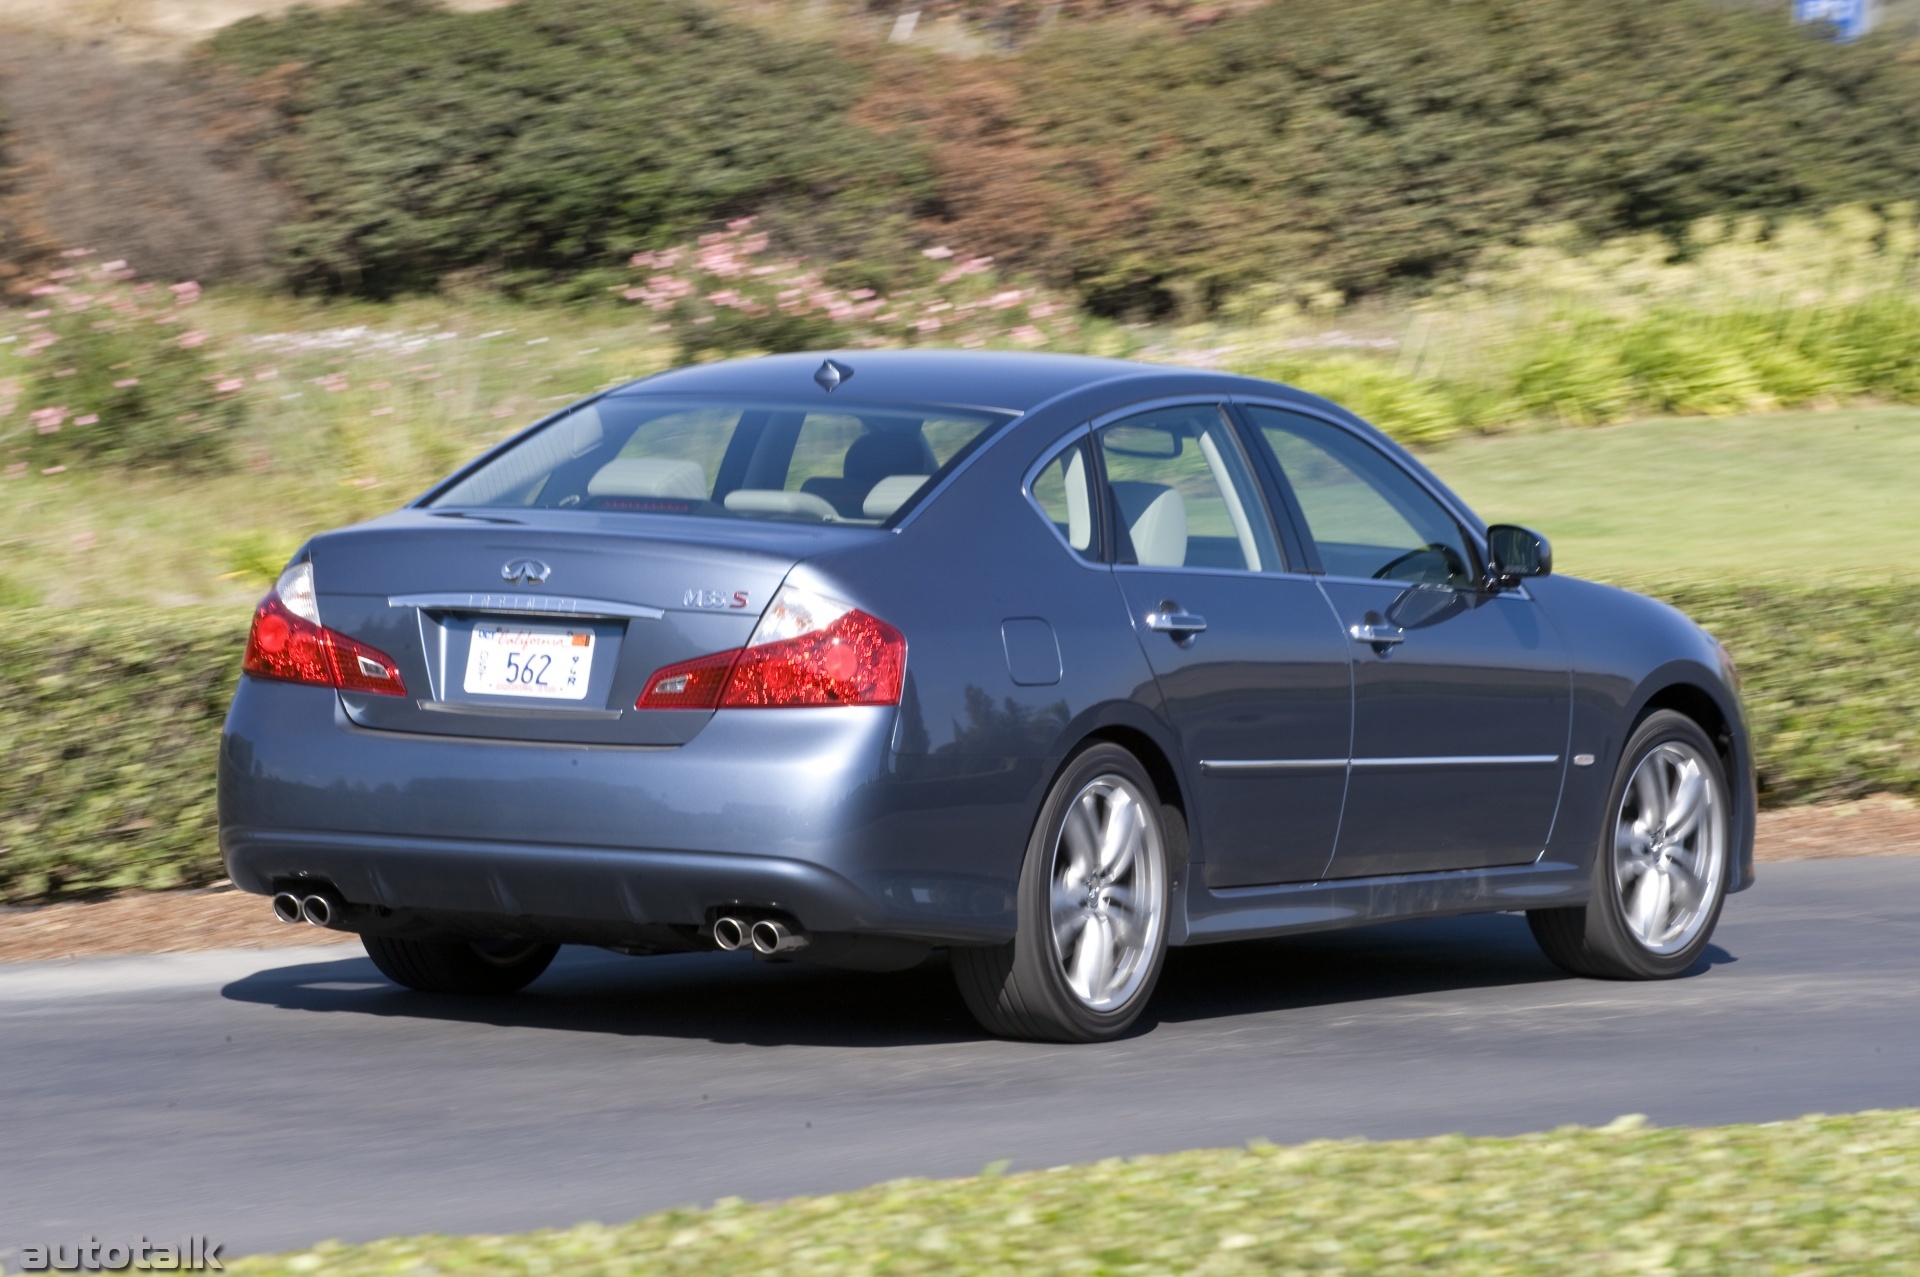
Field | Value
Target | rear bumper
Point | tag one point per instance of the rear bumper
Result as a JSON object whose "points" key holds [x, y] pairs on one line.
{"points": [[798, 811], [584, 894]]}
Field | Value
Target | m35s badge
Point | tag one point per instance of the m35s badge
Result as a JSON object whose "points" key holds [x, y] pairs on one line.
{"points": [[527, 571], [715, 600]]}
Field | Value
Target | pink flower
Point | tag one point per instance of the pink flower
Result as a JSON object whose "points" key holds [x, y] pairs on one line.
{"points": [[191, 339], [53, 470], [91, 419], [740, 224], [230, 385], [125, 382], [938, 253]]}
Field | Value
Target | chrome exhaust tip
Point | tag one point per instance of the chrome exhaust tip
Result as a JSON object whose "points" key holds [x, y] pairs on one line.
{"points": [[770, 938], [286, 906], [319, 910], [729, 933]]}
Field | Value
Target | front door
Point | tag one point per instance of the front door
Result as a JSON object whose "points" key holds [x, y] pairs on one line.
{"points": [[1252, 667], [1462, 696]]}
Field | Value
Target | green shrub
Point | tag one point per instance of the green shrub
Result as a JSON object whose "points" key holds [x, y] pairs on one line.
{"points": [[552, 136], [115, 373], [112, 730], [1409, 408], [1381, 143]]}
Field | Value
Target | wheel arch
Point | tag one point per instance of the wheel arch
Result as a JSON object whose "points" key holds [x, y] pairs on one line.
{"points": [[1714, 707]]}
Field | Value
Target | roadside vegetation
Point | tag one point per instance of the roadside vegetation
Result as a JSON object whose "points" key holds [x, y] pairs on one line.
{"points": [[1820, 1193], [1497, 231]]}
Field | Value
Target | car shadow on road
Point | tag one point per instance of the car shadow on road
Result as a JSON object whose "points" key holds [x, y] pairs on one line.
{"points": [[733, 998]]}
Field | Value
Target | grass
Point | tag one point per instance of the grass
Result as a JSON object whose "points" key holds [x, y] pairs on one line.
{"points": [[1837, 1194], [1792, 496], [353, 409]]}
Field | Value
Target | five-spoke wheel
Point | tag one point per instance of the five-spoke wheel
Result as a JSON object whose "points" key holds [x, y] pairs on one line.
{"points": [[1109, 892], [1092, 909]]}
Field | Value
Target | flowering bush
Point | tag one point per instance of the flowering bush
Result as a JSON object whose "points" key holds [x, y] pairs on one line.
{"points": [[106, 369], [725, 295]]}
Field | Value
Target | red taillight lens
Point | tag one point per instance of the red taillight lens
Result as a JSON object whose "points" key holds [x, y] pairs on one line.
{"points": [[806, 651], [293, 649], [856, 660], [695, 684]]}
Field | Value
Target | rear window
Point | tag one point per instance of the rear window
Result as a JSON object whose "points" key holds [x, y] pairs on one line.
{"points": [[841, 463]]}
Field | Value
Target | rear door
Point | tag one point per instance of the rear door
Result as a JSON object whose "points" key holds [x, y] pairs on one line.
{"points": [[1251, 665], [1462, 696]]}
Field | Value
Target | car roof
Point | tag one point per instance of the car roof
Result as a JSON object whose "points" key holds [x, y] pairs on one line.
{"points": [[1012, 381]]}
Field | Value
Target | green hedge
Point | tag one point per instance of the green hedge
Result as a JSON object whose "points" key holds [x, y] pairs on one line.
{"points": [[550, 136], [1831, 682], [1377, 143], [111, 726], [111, 729], [1818, 1194]]}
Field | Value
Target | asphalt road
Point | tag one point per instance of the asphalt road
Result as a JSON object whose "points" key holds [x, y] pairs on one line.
{"points": [[271, 1099]]}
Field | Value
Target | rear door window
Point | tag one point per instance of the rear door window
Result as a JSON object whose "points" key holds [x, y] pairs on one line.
{"points": [[1180, 493]]}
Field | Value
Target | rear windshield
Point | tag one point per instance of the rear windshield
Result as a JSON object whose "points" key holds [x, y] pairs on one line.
{"points": [[841, 463]]}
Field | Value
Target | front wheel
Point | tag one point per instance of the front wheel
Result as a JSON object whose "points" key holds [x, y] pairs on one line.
{"points": [[452, 965], [1660, 872], [1092, 911]]}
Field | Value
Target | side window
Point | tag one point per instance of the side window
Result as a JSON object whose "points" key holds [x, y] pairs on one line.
{"points": [[1367, 516], [1181, 494], [1064, 494]]}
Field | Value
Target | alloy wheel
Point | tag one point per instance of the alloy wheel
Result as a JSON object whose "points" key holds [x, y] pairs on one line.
{"points": [[1669, 847], [1108, 893]]}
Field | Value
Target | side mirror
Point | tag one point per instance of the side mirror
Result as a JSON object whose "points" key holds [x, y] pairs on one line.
{"points": [[1515, 553]]}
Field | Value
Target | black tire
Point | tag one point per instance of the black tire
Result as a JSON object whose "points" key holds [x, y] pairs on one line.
{"points": [[1597, 939], [453, 965], [1022, 989]]}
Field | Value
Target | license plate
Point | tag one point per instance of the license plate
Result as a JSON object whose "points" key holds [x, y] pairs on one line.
{"points": [[552, 664]]}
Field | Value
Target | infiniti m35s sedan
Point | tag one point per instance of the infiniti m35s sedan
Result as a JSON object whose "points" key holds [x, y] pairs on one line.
{"points": [[1050, 662]]}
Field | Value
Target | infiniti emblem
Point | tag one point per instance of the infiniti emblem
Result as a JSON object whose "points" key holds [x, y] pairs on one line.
{"points": [[531, 571]]}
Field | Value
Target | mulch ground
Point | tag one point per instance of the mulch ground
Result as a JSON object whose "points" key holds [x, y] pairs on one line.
{"points": [[224, 918]]}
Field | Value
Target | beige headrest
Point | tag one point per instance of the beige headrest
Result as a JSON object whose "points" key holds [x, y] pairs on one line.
{"points": [[649, 477], [890, 494]]}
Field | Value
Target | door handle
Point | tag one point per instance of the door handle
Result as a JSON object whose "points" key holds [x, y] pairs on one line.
{"points": [[1182, 626], [1378, 635]]}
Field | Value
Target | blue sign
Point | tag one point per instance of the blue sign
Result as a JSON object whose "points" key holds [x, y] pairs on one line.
{"points": [[1850, 19]]}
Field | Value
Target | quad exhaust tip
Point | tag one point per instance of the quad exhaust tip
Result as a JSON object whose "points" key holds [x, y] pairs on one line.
{"points": [[767, 937], [770, 937], [729, 933], [321, 911], [286, 906]]}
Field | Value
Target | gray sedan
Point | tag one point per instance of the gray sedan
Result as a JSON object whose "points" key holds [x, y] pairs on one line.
{"points": [[1050, 662]]}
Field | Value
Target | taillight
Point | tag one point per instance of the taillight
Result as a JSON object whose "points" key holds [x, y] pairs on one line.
{"points": [[807, 650], [695, 684], [288, 643]]}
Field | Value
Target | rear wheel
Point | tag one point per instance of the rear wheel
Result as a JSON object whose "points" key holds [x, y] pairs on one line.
{"points": [[452, 965], [1660, 872], [1092, 912]]}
